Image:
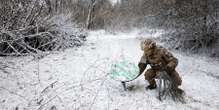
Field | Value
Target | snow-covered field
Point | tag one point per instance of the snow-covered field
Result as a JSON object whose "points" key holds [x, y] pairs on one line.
{"points": [[78, 79]]}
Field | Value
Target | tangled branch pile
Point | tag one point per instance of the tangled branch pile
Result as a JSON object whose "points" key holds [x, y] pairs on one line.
{"points": [[167, 88], [29, 27]]}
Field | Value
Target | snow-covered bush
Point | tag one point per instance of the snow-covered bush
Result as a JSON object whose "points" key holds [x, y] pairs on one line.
{"points": [[66, 33], [27, 27], [190, 36], [190, 25]]}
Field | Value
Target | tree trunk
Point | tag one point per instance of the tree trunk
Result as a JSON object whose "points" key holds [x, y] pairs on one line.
{"points": [[205, 8], [90, 14]]}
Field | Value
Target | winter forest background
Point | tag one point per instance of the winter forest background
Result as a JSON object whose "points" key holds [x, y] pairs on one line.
{"points": [[36, 35], [35, 25]]}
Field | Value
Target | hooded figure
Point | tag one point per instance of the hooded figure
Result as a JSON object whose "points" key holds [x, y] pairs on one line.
{"points": [[160, 59]]}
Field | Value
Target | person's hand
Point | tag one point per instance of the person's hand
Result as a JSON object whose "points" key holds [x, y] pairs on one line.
{"points": [[170, 66]]}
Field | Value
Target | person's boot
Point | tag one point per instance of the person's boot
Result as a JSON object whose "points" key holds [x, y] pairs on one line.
{"points": [[151, 86], [180, 91]]}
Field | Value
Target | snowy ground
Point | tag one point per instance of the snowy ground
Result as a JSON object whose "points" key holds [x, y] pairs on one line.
{"points": [[77, 79]]}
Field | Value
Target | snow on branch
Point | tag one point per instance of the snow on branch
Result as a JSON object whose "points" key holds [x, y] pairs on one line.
{"points": [[28, 29]]}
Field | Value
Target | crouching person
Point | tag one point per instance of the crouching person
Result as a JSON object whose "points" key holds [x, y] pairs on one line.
{"points": [[160, 59]]}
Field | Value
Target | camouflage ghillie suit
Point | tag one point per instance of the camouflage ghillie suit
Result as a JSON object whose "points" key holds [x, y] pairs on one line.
{"points": [[160, 59]]}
